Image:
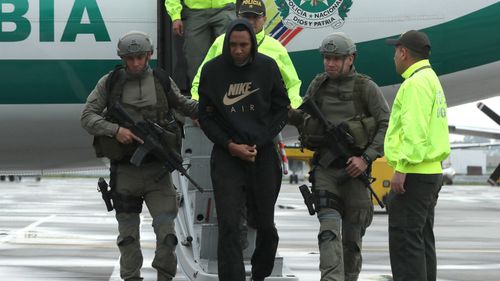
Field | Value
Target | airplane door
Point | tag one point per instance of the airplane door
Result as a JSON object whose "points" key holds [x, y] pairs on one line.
{"points": [[170, 54], [164, 37]]}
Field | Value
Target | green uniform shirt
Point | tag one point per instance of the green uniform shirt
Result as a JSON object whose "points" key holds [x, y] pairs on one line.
{"points": [[417, 138], [269, 47], [174, 7]]}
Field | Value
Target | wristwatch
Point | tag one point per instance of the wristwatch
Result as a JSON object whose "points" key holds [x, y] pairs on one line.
{"points": [[366, 158]]}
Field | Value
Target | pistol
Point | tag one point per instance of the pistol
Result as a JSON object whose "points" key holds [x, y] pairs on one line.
{"points": [[102, 187], [308, 198]]}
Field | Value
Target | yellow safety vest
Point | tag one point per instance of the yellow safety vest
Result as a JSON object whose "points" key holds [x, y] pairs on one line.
{"points": [[174, 7]]}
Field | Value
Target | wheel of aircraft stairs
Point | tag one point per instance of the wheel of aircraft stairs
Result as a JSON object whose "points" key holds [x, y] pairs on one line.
{"points": [[196, 223]]}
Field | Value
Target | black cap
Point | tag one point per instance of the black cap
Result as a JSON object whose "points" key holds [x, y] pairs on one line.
{"points": [[414, 40], [252, 6]]}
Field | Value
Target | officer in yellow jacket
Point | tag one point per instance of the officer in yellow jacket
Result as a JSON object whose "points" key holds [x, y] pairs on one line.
{"points": [[255, 12], [415, 144], [201, 22]]}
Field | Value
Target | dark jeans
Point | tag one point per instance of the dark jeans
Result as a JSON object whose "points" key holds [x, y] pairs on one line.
{"points": [[411, 221], [236, 183]]}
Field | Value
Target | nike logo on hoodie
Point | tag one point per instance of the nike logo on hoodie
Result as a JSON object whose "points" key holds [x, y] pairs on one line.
{"points": [[237, 92]]}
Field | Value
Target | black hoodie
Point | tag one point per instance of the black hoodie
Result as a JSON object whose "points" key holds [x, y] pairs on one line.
{"points": [[246, 104]]}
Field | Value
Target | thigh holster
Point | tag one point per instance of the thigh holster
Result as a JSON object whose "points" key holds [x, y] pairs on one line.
{"points": [[325, 199]]}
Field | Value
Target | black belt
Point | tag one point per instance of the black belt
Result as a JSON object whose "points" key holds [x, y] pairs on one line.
{"points": [[146, 160]]}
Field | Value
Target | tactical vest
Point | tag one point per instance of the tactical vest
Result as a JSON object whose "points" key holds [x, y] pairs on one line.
{"points": [[160, 113], [362, 126]]}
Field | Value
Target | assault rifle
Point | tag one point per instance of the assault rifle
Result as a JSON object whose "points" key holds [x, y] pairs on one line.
{"points": [[339, 141], [151, 133], [102, 187]]}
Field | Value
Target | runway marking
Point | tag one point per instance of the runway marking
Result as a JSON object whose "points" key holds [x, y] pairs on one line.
{"points": [[24, 230]]}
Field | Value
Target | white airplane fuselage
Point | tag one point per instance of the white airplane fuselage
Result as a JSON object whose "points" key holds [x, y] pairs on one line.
{"points": [[53, 53]]}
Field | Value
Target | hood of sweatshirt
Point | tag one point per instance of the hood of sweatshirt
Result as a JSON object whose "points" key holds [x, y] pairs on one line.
{"points": [[239, 24]]}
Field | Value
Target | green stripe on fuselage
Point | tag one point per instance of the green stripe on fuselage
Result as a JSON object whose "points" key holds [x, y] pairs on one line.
{"points": [[465, 42], [50, 81], [468, 41]]}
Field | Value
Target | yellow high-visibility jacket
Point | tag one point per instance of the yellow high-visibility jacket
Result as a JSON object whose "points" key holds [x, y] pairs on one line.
{"points": [[269, 47], [417, 138], [174, 7]]}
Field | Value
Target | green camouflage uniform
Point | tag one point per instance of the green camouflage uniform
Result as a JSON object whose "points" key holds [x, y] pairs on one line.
{"points": [[133, 185], [343, 224]]}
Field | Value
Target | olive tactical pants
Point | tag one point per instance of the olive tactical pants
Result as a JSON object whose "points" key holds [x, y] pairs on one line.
{"points": [[161, 200], [201, 27], [411, 221], [342, 227]]}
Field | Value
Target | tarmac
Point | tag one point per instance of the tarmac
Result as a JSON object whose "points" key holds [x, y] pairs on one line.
{"points": [[58, 229]]}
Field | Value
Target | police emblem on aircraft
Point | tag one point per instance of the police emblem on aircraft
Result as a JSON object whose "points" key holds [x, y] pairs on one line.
{"points": [[313, 14]]}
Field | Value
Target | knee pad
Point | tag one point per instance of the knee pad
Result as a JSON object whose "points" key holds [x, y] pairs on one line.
{"points": [[126, 241], [126, 203], [163, 225], [170, 240], [326, 235], [330, 242]]}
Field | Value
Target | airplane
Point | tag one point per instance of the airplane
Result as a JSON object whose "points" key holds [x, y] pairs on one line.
{"points": [[49, 66], [494, 178], [474, 131], [54, 51]]}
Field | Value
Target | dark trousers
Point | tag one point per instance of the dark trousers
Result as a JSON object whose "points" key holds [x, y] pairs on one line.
{"points": [[238, 183], [411, 221]]}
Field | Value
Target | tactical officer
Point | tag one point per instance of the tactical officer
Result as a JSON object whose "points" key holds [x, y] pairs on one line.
{"points": [[145, 94], [416, 143], [343, 204]]}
